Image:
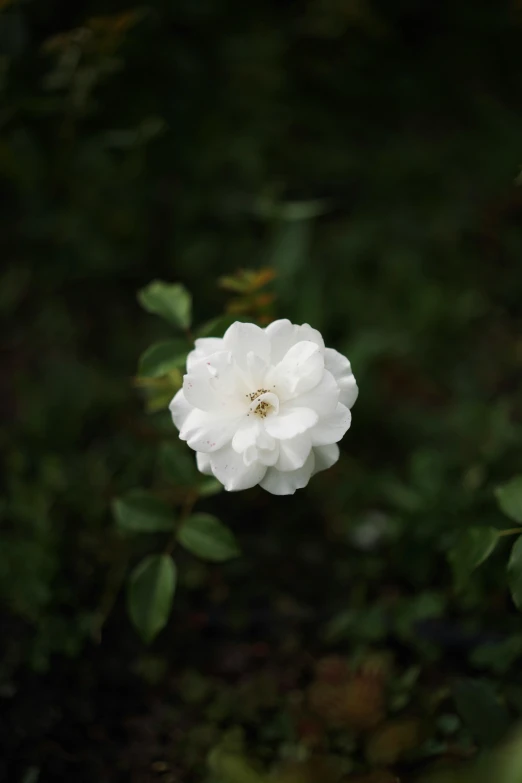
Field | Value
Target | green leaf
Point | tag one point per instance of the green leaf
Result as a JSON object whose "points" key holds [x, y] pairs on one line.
{"points": [[509, 498], [160, 358], [178, 463], [414, 610], [482, 713], [157, 400], [209, 486], [168, 300], [207, 537], [232, 768], [150, 592], [140, 512], [158, 392], [498, 656], [473, 547], [515, 573], [369, 625]]}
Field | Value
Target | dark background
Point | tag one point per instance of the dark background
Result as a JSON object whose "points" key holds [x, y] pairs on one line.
{"points": [[173, 141]]}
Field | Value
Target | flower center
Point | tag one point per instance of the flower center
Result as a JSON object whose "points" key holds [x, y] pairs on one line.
{"points": [[262, 402], [254, 395]]}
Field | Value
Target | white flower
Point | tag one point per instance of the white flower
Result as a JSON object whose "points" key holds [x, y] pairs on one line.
{"points": [[265, 406]]}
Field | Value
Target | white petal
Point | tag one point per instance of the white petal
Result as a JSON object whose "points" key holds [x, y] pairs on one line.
{"points": [[207, 432], [332, 428], [246, 435], [269, 456], [203, 462], [279, 483], [293, 453], [263, 456], [199, 393], [265, 441], [180, 409], [283, 335], [323, 398], [325, 456], [250, 455], [306, 332], [213, 384], [341, 369], [255, 370], [205, 346], [229, 468], [290, 422], [299, 371], [241, 339]]}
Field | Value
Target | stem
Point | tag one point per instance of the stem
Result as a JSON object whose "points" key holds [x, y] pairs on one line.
{"points": [[513, 531], [186, 510], [114, 582]]}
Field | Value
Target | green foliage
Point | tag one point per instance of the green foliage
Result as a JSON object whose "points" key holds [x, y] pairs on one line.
{"points": [[479, 707], [515, 572], [141, 512], [208, 487], [472, 548], [208, 538], [178, 464], [285, 162], [232, 768], [149, 594], [159, 359], [498, 656], [170, 301], [509, 497]]}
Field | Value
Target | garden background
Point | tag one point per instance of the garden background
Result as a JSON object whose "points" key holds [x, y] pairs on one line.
{"points": [[360, 158]]}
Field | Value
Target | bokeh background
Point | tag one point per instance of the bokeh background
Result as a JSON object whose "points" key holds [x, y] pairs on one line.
{"points": [[367, 153]]}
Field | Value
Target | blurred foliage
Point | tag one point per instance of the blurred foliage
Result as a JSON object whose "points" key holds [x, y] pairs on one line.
{"points": [[349, 163]]}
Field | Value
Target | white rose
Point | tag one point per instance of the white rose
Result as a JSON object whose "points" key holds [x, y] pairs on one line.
{"points": [[265, 406]]}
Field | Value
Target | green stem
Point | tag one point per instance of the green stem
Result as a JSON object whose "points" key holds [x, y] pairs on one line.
{"points": [[186, 511], [513, 531]]}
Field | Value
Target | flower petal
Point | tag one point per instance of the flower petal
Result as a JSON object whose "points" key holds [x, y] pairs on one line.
{"points": [[286, 483], [179, 409], [204, 346], [283, 335], [332, 428], [269, 456], [290, 422], [323, 398], [207, 432], [341, 370], [293, 453], [199, 393], [325, 456], [254, 371], [300, 370], [306, 332], [214, 384], [246, 435], [229, 468], [203, 463], [241, 339]]}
